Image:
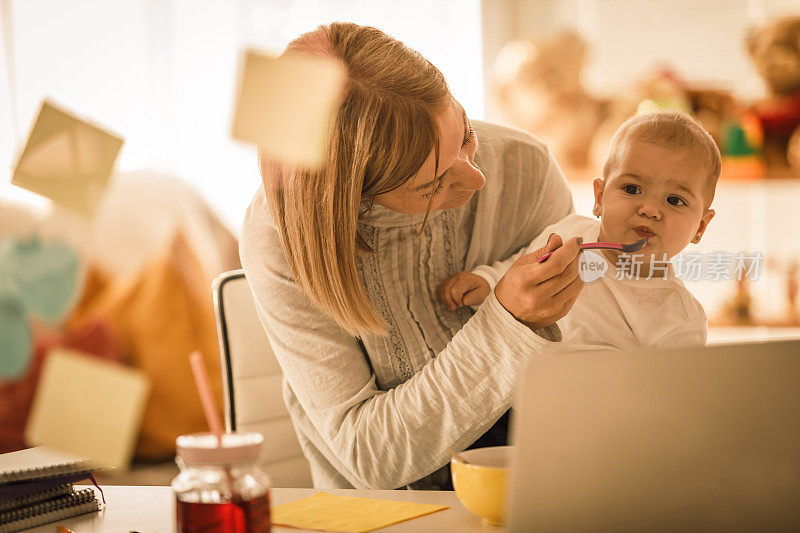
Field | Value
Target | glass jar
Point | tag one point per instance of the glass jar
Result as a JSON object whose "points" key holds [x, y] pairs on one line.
{"points": [[221, 488]]}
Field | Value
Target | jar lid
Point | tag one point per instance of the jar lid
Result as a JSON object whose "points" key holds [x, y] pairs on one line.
{"points": [[204, 449]]}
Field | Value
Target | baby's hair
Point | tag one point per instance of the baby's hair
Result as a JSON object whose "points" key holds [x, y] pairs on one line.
{"points": [[669, 129]]}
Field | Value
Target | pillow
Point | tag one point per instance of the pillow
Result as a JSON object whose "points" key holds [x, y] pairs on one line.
{"points": [[162, 315]]}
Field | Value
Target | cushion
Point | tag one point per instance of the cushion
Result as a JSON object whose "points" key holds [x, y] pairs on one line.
{"points": [[162, 315]]}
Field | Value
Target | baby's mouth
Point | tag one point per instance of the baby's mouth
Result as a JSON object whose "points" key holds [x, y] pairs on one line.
{"points": [[644, 231]]}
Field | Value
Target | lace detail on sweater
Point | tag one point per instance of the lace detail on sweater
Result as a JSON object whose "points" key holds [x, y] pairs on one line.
{"points": [[375, 287]]}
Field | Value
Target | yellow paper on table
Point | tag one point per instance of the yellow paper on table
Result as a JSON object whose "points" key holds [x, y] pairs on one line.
{"points": [[347, 514], [67, 160], [285, 106], [87, 406]]}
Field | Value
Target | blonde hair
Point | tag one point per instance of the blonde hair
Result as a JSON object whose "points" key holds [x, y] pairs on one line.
{"points": [[380, 136], [670, 129]]}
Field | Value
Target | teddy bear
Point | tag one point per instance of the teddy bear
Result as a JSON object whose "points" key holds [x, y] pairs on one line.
{"points": [[538, 88], [775, 52]]}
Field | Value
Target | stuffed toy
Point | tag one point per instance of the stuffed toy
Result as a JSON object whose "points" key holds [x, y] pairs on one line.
{"points": [[775, 52], [657, 89], [539, 90]]}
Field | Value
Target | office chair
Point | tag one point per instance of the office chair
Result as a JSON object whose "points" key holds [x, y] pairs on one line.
{"points": [[252, 382]]}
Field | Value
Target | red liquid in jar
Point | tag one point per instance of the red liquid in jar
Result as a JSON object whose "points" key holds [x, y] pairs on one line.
{"points": [[251, 516]]}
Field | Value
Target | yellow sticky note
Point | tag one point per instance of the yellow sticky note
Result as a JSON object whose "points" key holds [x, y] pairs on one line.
{"points": [[347, 514], [67, 160], [87, 406], [285, 105]]}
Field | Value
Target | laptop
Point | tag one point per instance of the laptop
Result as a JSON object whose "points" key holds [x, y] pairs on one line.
{"points": [[694, 439]]}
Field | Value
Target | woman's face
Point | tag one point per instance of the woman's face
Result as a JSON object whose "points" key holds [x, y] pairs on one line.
{"points": [[458, 177]]}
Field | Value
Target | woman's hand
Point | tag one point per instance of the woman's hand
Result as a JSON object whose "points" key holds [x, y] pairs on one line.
{"points": [[538, 294], [463, 288]]}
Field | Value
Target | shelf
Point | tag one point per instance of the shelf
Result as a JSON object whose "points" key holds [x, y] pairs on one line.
{"points": [[730, 335]]}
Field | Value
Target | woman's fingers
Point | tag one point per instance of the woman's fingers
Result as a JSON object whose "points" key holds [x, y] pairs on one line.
{"points": [[538, 294], [564, 299], [555, 307], [553, 242], [557, 283], [560, 261]]}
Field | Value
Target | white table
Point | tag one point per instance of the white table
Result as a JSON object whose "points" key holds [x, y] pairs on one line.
{"points": [[152, 510]]}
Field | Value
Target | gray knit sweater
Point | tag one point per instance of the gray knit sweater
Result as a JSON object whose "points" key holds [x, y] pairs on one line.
{"points": [[378, 414]]}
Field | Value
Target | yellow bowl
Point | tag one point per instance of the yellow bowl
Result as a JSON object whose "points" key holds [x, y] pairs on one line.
{"points": [[481, 484]]}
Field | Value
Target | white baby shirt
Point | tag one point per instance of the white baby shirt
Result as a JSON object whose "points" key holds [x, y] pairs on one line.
{"points": [[613, 313]]}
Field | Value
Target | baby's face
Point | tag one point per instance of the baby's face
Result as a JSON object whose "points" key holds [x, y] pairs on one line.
{"points": [[654, 192]]}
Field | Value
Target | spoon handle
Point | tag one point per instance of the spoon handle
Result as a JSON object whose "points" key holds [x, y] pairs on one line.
{"points": [[588, 246]]}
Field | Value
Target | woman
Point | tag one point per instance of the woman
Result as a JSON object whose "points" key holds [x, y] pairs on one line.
{"points": [[344, 262]]}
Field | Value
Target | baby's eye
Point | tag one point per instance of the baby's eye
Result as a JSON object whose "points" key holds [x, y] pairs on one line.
{"points": [[631, 189], [676, 201]]}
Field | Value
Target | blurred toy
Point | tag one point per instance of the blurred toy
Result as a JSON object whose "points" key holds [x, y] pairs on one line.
{"points": [[738, 309], [713, 108], [775, 51], [741, 146], [539, 89], [736, 130], [37, 280], [15, 338], [793, 149], [661, 88]]}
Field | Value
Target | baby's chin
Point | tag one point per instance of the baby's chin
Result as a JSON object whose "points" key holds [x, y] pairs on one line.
{"points": [[652, 252]]}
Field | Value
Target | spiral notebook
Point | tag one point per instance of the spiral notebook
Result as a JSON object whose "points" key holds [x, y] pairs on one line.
{"points": [[36, 488]]}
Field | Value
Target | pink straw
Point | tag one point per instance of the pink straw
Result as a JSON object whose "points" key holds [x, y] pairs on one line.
{"points": [[206, 397], [212, 417]]}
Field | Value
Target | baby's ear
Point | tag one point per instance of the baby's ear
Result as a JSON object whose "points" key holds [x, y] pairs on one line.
{"points": [[599, 185], [709, 214]]}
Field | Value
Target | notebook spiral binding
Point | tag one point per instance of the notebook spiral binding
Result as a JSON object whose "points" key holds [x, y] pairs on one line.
{"points": [[72, 504], [36, 497], [41, 472]]}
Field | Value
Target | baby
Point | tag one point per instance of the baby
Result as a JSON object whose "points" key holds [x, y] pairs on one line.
{"points": [[658, 182]]}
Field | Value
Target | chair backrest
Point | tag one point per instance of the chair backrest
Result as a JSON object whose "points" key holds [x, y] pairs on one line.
{"points": [[252, 382]]}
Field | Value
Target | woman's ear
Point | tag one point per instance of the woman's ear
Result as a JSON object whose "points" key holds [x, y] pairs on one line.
{"points": [[599, 186], [709, 214]]}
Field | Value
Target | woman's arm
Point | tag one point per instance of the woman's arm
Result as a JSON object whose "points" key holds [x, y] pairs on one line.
{"points": [[374, 438]]}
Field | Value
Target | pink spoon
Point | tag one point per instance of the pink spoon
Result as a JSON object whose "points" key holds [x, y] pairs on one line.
{"points": [[628, 248]]}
